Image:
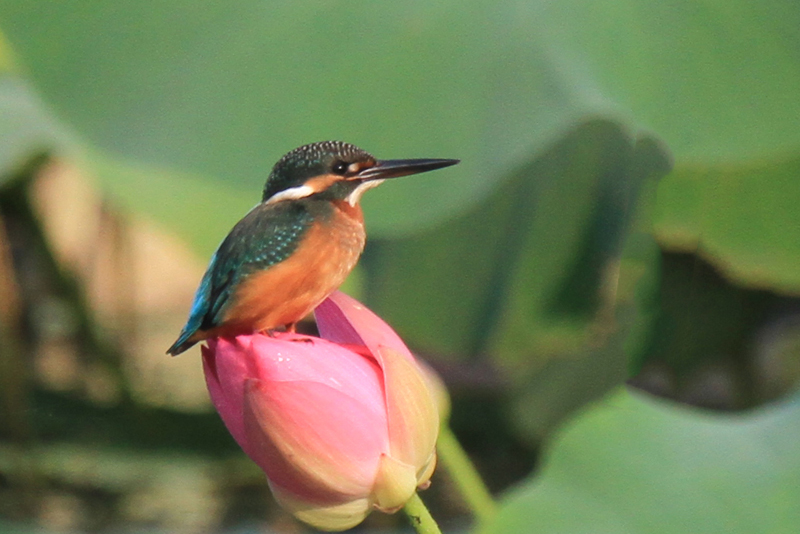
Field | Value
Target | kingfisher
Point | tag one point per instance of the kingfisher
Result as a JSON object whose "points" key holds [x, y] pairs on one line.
{"points": [[295, 247]]}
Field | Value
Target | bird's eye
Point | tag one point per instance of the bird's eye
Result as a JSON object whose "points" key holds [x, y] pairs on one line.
{"points": [[340, 167]]}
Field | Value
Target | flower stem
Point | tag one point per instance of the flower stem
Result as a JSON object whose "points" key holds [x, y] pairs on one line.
{"points": [[464, 474], [419, 516]]}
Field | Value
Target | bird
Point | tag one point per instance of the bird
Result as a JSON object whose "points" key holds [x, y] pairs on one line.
{"points": [[296, 246]]}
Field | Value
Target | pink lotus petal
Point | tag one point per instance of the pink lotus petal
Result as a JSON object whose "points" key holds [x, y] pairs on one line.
{"points": [[223, 378], [411, 410], [315, 441], [228, 363], [342, 319], [287, 357], [339, 425]]}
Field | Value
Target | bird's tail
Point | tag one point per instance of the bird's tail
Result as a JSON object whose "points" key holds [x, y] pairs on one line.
{"points": [[183, 342]]}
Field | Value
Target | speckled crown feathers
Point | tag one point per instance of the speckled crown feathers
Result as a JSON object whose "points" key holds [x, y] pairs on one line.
{"points": [[304, 162]]}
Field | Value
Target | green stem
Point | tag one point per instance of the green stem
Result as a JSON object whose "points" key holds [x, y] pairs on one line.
{"points": [[463, 473], [419, 516]]}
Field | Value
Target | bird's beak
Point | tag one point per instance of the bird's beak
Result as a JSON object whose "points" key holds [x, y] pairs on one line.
{"points": [[394, 168]]}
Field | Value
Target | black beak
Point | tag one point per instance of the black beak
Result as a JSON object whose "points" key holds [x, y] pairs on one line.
{"points": [[393, 168]]}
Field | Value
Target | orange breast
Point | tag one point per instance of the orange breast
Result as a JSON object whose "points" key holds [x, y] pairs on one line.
{"points": [[291, 289]]}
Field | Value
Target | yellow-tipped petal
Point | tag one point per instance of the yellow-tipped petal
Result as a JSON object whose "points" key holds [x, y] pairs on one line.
{"points": [[315, 441], [425, 474], [332, 518], [438, 389], [412, 413], [395, 484]]}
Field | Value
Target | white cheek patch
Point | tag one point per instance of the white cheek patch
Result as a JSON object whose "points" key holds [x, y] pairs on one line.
{"points": [[355, 196], [293, 193]]}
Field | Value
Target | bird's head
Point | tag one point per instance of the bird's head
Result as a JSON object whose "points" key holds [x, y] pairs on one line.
{"points": [[337, 171]]}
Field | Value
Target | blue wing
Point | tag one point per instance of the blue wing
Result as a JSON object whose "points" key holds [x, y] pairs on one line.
{"points": [[267, 235]]}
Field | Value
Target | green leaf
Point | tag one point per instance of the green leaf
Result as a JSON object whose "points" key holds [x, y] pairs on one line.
{"points": [[516, 248], [635, 464], [6, 57], [26, 129], [613, 351], [742, 218], [519, 276], [193, 205], [534, 278], [222, 92], [716, 79]]}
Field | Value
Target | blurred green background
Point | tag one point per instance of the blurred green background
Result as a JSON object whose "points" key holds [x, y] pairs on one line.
{"points": [[626, 212]]}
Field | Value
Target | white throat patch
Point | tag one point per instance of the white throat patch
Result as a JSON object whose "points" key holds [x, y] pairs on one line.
{"points": [[355, 196]]}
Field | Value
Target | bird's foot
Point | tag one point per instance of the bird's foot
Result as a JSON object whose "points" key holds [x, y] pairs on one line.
{"points": [[291, 328]]}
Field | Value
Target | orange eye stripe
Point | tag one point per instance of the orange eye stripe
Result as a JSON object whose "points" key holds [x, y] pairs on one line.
{"points": [[322, 182]]}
